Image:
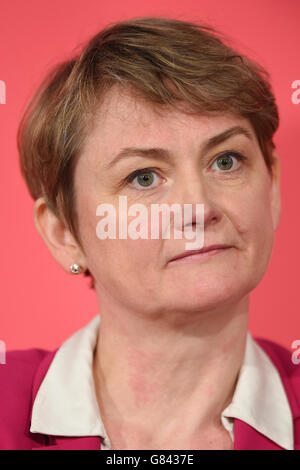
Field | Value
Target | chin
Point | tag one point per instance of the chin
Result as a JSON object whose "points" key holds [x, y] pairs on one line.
{"points": [[208, 294]]}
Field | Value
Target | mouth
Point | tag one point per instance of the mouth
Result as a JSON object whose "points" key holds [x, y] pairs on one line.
{"points": [[205, 252]]}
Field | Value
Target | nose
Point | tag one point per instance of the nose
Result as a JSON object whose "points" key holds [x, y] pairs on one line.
{"points": [[193, 190]]}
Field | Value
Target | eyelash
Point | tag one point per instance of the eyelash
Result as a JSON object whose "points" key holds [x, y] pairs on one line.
{"points": [[141, 171]]}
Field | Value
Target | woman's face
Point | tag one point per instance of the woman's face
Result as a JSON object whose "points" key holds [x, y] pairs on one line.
{"points": [[241, 206]]}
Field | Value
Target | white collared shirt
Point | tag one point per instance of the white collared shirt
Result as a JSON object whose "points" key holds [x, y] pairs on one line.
{"points": [[66, 403]]}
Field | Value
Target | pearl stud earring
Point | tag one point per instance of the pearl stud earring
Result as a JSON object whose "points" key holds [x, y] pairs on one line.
{"points": [[75, 268]]}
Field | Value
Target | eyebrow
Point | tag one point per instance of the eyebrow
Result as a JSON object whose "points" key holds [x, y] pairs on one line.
{"points": [[163, 154]]}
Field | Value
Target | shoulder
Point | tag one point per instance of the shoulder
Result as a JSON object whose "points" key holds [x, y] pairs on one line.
{"points": [[280, 356], [19, 369], [20, 377], [288, 369]]}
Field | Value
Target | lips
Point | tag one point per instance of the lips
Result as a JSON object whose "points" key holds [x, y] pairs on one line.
{"points": [[202, 250]]}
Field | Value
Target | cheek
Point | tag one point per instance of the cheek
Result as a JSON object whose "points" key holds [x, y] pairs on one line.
{"points": [[123, 261], [255, 227], [122, 258], [126, 271], [136, 258], [252, 207]]}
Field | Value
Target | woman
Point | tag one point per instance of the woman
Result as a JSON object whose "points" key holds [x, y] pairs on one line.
{"points": [[157, 111]]}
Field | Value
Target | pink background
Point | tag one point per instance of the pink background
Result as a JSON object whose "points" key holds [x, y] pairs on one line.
{"points": [[40, 304]]}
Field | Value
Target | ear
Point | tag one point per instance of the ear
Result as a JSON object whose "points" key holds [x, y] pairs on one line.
{"points": [[275, 191], [57, 237]]}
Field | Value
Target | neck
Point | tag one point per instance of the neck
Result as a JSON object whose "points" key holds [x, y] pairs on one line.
{"points": [[145, 371]]}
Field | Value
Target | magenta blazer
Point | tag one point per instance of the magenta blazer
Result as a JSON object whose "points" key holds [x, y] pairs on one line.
{"points": [[24, 371]]}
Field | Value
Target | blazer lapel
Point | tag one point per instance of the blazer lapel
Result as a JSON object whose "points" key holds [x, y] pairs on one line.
{"points": [[248, 438], [73, 443]]}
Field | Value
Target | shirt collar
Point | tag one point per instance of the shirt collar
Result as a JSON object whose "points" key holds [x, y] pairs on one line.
{"points": [[66, 403], [259, 398]]}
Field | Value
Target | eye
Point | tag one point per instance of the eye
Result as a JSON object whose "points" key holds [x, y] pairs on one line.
{"points": [[148, 177], [143, 178], [225, 160]]}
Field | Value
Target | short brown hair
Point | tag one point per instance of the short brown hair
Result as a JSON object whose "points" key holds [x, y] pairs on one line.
{"points": [[165, 61]]}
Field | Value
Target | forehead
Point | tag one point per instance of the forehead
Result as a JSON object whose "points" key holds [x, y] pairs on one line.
{"points": [[125, 120]]}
